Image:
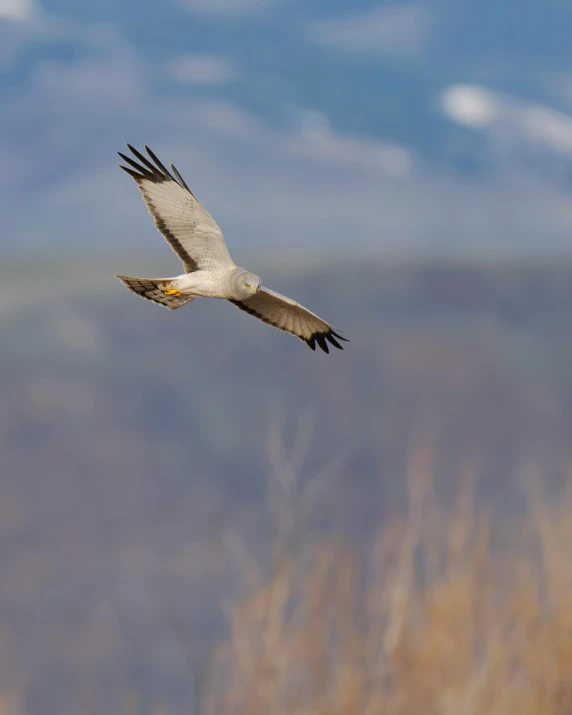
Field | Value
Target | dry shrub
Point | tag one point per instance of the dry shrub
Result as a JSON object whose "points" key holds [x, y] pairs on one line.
{"points": [[449, 613]]}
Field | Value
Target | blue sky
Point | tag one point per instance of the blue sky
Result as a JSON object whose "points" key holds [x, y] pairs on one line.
{"points": [[404, 126]]}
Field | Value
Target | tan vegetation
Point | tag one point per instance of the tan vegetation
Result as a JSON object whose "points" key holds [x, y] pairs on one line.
{"points": [[451, 610], [451, 613]]}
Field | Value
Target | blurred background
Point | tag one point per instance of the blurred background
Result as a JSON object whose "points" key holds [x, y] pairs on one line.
{"points": [[173, 481]]}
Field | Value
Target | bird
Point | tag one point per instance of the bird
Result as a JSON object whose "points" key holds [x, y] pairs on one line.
{"points": [[210, 272]]}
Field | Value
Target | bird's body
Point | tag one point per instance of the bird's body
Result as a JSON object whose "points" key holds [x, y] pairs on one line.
{"points": [[209, 270], [218, 283], [202, 284]]}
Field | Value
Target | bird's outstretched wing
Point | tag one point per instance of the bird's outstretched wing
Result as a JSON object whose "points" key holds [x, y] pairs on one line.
{"points": [[188, 228], [286, 314]]}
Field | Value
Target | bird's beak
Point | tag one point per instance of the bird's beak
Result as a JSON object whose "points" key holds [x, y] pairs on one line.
{"points": [[254, 290]]}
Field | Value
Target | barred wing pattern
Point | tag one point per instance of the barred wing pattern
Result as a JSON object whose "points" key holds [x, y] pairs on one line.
{"points": [[285, 314], [150, 289], [187, 227]]}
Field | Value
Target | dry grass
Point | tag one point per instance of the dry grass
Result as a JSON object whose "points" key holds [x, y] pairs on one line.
{"points": [[450, 613]]}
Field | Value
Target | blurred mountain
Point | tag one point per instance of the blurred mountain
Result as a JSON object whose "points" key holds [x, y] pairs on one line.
{"points": [[138, 444]]}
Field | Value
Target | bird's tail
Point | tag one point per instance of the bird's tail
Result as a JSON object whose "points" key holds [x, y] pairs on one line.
{"points": [[154, 289]]}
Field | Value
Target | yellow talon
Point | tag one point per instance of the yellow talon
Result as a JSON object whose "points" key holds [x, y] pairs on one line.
{"points": [[172, 291]]}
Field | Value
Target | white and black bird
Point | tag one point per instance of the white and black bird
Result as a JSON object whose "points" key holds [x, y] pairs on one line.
{"points": [[209, 270]]}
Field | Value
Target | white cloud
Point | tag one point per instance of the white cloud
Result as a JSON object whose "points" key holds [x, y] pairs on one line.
{"points": [[511, 121], [223, 118], [550, 127], [228, 7], [23, 23], [472, 106], [319, 142], [200, 69], [17, 10], [316, 140], [395, 30]]}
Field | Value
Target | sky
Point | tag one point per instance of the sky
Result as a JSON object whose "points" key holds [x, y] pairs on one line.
{"points": [[333, 125]]}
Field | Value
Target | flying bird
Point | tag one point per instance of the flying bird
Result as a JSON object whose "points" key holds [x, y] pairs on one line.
{"points": [[209, 270]]}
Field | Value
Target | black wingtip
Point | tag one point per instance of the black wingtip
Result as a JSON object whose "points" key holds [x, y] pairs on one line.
{"points": [[131, 173], [333, 341], [159, 164], [321, 340], [156, 172], [180, 178], [143, 172], [339, 337]]}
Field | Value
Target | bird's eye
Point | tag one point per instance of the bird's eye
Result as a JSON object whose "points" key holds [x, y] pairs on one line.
{"points": [[246, 285]]}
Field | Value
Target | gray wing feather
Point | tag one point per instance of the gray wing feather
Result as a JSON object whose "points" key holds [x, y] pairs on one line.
{"points": [[285, 314], [187, 227]]}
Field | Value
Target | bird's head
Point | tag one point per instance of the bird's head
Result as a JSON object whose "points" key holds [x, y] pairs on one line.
{"points": [[246, 284]]}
